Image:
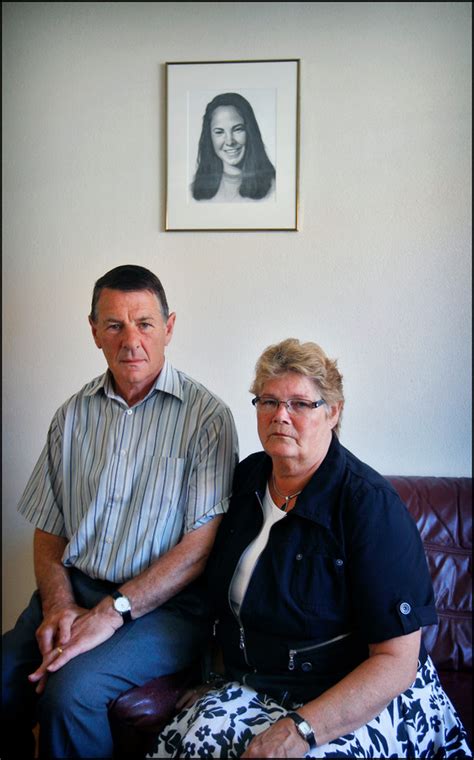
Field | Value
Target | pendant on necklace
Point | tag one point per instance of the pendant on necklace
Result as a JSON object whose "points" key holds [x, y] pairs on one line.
{"points": [[284, 506]]}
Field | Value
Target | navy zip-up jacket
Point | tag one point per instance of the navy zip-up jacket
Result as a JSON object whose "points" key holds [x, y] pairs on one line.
{"points": [[345, 566]]}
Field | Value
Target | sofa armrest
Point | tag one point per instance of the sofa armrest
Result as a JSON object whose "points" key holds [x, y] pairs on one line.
{"points": [[137, 716]]}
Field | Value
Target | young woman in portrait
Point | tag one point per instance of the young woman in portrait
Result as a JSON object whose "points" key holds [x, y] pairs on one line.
{"points": [[232, 162]]}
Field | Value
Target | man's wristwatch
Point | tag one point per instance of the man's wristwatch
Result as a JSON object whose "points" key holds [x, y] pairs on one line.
{"points": [[304, 729], [122, 605]]}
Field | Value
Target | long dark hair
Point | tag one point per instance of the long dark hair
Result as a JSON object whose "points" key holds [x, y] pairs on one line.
{"points": [[258, 171]]}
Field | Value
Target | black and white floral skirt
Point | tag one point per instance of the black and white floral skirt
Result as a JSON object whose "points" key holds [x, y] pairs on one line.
{"points": [[420, 723]]}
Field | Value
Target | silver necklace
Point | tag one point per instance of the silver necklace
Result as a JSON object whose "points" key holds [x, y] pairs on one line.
{"points": [[284, 506]]}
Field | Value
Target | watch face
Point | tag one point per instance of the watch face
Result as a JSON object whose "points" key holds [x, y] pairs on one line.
{"points": [[305, 727], [122, 604]]}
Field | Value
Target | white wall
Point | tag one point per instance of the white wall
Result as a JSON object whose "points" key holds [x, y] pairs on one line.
{"points": [[379, 272]]}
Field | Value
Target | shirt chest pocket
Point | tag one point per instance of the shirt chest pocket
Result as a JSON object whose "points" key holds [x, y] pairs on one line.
{"points": [[166, 475], [318, 583], [155, 491]]}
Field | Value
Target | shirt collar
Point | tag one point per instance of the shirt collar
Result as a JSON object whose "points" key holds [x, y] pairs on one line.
{"points": [[319, 495], [168, 381]]}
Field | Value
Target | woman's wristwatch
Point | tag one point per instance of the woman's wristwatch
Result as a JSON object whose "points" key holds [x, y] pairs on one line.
{"points": [[304, 729]]}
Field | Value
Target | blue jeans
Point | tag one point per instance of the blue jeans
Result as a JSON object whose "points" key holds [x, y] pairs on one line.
{"points": [[72, 711]]}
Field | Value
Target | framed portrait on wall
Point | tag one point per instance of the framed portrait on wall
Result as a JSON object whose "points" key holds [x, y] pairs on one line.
{"points": [[232, 145]]}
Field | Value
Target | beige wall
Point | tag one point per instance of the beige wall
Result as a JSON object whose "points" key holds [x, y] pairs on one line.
{"points": [[379, 272]]}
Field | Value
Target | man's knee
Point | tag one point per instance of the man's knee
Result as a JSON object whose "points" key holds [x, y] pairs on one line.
{"points": [[68, 691], [72, 713]]}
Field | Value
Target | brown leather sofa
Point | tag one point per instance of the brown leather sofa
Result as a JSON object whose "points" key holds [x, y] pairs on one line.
{"points": [[442, 509]]}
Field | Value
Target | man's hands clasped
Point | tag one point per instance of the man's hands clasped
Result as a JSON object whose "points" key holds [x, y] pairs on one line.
{"points": [[70, 631]]}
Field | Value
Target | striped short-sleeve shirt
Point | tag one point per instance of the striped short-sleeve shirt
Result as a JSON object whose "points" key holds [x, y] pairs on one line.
{"points": [[123, 484]]}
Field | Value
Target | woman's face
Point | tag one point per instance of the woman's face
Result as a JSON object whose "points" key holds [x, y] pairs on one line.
{"points": [[228, 135], [297, 442]]}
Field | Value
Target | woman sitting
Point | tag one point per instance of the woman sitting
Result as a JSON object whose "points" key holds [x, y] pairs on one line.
{"points": [[321, 589]]}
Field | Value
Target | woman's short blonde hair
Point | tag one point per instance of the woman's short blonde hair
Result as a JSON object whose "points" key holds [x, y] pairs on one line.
{"points": [[306, 359]]}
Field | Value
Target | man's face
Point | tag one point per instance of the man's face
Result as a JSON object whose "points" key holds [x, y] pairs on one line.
{"points": [[132, 332]]}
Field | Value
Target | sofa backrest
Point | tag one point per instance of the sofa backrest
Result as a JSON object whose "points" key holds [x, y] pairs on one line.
{"points": [[442, 510]]}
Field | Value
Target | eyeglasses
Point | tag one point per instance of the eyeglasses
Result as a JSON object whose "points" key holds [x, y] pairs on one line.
{"points": [[294, 406]]}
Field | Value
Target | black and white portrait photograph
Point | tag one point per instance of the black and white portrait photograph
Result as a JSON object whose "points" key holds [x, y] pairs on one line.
{"points": [[233, 160], [232, 147]]}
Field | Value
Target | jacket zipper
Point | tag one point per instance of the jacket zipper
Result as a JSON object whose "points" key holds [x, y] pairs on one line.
{"points": [[236, 614], [242, 637], [241, 629], [293, 652]]}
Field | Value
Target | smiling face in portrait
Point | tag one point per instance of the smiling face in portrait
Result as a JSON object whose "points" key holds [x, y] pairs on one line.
{"points": [[229, 136]]}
